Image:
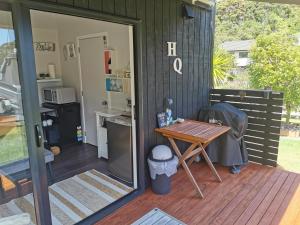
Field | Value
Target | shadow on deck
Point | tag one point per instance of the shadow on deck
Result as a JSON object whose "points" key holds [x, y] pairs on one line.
{"points": [[259, 195]]}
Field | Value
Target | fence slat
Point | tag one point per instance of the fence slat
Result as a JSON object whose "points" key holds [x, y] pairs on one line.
{"points": [[264, 128], [255, 93], [253, 107], [262, 101], [264, 110], [258, 133]]}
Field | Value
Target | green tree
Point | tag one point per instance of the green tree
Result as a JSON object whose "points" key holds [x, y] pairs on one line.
{"points": [[5, 50], [222, 64], [244, 20], [276, 64]]}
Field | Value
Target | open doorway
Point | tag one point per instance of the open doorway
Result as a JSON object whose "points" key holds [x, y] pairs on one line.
{"points": [[85, 80]]}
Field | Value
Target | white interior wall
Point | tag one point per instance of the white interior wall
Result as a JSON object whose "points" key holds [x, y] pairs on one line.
{"points": [[118, 39], [43, 58], [61, 30]]}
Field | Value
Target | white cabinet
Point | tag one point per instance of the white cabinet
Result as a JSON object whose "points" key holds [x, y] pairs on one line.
{"points": [[102, 142], [102, 131]]}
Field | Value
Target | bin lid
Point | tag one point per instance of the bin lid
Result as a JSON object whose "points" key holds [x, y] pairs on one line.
{"points": [[161, 153]]}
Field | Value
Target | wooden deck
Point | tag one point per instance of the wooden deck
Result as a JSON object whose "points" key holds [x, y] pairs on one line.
{"points": [[259, 195]]}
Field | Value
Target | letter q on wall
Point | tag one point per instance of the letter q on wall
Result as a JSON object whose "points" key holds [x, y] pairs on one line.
{"points": [[177, 64]]}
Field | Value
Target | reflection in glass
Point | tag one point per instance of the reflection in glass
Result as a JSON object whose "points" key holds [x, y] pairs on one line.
{"points": [[16, 201]]}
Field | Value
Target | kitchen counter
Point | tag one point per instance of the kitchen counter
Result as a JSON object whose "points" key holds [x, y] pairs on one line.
{"points": [[101, 115], [106, 112]]}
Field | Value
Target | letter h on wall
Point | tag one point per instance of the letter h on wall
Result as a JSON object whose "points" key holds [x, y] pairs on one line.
{"points": [[177, 64]]}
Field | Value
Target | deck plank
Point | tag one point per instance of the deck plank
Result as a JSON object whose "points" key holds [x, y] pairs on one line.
{"points": [[236, 205], [286, 202], [271, 212], [259, 194], [293, 209], [264, 205], [208, 185], [243, 219], [221, 199], [243, 205]]}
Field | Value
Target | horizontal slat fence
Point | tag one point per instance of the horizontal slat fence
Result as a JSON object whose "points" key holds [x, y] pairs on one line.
{"points": [[264, 110]]}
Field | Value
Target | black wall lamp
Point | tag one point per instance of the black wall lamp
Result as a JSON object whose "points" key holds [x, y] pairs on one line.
{"points": [[188, 7], [187, 11]]}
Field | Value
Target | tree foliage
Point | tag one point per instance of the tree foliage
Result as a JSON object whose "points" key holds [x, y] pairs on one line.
{"points": [[244, 20], [276, 64], [5, 50], [222, 64]]}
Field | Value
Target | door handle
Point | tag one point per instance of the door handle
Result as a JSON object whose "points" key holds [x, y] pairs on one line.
{"points": [[38, 136]]}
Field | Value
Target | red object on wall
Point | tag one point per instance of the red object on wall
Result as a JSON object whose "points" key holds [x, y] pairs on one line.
{"points": [[107, 62]]}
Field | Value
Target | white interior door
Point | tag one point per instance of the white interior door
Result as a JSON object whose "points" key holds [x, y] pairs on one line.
{"points": [[93, 83]]}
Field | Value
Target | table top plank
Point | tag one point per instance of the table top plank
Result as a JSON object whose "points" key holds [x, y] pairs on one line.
{"points": [[193, 131]]}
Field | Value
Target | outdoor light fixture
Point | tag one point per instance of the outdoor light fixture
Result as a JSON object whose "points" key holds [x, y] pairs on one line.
{"points": [[188, 6], [187, 11]]}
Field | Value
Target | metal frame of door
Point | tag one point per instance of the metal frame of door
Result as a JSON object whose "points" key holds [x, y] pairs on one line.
{"points": [[22, 24], [31, 111]]}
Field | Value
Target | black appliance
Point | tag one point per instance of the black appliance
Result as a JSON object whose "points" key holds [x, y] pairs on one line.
{"points": [[66, 128], [120, 148]]}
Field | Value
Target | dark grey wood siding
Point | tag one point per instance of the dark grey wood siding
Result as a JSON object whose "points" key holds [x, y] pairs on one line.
{"points": [[162, 21]]}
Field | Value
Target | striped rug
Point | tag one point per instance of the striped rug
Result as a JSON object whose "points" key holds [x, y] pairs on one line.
{"points": [[157, 217], [73, 199]]}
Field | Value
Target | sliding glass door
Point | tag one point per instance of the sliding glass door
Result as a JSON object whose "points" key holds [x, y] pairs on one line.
{"points": [[23, 178]]}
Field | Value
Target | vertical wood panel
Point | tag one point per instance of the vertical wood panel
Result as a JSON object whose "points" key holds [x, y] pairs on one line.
{"points": [[166, 38], [185, 69], [191, 45], [108, 6], [95, 5], [120, 7], [81, 3], [159, 85], [173, 80], [201, 58], [165, 58], [211, 34], [207, 59], [179, 77], [66, 2], [131, 8], [196, 62], [150, 40], [205, 43], [141, 13]]}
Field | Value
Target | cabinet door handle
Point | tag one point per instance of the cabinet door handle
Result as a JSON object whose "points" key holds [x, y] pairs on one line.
{"points": [[38, 136]]}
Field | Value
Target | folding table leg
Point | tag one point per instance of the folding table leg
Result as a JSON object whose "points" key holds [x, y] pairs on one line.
{"points": [[193, 159], [195, 156], [210, 164], [185, 167]]}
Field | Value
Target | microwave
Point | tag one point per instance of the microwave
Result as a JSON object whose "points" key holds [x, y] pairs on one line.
{"points": [[59, 95]]}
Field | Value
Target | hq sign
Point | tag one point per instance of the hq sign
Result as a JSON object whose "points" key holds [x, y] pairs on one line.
{"points": [[177, 64]]}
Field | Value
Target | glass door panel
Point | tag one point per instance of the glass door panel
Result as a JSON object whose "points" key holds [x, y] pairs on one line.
{"points": [[16, 198]]}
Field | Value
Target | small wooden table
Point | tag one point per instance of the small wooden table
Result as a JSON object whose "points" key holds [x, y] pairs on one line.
{"points": [[199, 134]]}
